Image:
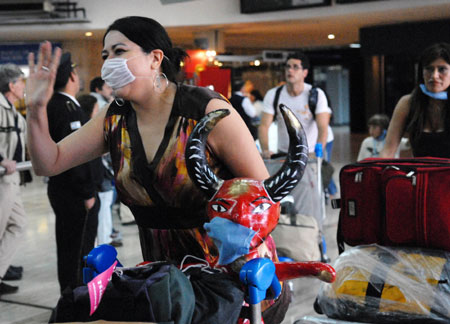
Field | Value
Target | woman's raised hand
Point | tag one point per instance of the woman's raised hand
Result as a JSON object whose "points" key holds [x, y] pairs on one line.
{"points": [[39, 85]]}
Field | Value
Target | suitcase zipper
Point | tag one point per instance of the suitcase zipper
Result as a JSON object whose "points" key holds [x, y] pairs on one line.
{"points": [[411, 175], [358, 176]]}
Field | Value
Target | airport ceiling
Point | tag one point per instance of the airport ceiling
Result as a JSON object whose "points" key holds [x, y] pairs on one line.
{"points": [[305, 33]]}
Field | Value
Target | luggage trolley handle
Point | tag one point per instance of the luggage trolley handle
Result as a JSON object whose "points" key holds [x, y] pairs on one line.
{"points": [[261, 274], [319, 155], [21, 166], [318, 149]]}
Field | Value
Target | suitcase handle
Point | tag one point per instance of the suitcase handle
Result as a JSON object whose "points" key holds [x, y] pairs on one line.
{"points": [[336, 203], [425, 160]]}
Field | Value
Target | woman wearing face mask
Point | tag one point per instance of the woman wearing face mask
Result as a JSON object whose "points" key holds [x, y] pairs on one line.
{"points": [[424, 113], [146, 130]]}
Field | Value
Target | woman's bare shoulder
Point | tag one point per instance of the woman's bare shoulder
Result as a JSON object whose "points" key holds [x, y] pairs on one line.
{"points": [[404, 104], [217, 103], [405, 100]]}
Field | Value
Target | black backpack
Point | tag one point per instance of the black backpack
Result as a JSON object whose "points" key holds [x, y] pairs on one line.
{"points": [[156, 292], [312, 100]]}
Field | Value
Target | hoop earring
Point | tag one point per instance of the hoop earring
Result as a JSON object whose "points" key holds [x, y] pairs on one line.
{"points": [[160, 83], [119, 101]]}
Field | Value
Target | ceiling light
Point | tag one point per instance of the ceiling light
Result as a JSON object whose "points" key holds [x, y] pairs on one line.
{"points": [[88, 34], [355, 45], [331, 36]]}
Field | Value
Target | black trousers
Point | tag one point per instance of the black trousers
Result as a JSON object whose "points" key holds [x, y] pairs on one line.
{"points": [[75, 230]]}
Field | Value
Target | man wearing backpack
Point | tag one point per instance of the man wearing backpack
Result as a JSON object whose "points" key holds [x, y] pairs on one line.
{"points": [[295, 94], [310, 105]]}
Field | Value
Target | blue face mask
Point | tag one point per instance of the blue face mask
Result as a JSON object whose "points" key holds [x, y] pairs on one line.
{"points": [[232, 240], [382, 136], [435, 95]]}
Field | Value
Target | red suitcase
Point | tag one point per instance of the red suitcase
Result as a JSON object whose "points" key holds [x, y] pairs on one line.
{"points": [[395, 202]]}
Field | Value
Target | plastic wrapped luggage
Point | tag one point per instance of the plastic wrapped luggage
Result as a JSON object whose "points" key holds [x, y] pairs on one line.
{"points": [[321, 319], [377, 284]]}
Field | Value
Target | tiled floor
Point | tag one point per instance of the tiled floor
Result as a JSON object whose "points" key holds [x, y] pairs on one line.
{"points": [[38, 291]]}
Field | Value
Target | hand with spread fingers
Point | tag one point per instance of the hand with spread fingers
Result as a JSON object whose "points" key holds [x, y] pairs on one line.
{"points": [[39, 86]]}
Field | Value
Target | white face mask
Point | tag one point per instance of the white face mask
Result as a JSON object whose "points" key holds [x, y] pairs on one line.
{"points": [[116, 73]]}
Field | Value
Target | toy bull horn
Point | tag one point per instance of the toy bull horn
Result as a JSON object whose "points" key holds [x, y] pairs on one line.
{"points": [[282, 182], [277, 186]]}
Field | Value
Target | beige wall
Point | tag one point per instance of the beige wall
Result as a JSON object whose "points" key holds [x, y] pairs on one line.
{"points": [[87, 54], [263, 80], [374, 78]]}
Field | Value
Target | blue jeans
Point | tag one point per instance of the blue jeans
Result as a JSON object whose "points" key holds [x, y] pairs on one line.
{"points": [[332, 190]]}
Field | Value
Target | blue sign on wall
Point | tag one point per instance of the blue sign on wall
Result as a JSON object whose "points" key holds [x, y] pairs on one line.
{"points": [[18, 53]]}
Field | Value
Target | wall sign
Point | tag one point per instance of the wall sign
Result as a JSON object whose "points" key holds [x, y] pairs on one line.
{"points": [[18, 53]]}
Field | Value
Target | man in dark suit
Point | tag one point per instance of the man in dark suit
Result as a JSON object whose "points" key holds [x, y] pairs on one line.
{"points": [[72, 194]]}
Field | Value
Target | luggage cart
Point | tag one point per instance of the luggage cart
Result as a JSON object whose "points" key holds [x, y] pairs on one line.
{"points": [[382, 281], [317, 209]]}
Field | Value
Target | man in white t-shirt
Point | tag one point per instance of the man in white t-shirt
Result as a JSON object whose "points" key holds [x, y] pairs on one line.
{"points": [[295, 95]]}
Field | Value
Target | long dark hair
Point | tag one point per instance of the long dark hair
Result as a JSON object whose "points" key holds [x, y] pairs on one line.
{"points": [[150, 35], [419, 101]]}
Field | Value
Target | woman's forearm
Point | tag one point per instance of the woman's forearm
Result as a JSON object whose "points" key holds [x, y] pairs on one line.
{"points": [[396, 128], [43, 150], [388, 151]]}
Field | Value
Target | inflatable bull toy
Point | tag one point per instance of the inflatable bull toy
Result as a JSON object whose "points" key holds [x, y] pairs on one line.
{"points": [[243, 212]]}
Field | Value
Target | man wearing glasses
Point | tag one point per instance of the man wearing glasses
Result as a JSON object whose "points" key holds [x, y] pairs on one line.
{"points": [[72, 194], [295, 94]]}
